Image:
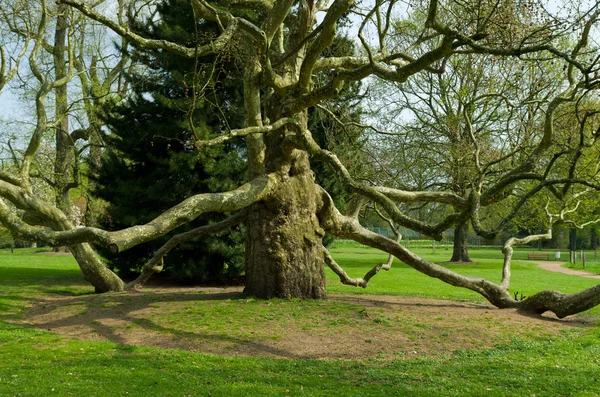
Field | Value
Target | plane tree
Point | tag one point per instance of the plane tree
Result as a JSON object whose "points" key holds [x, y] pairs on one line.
{"points": [[441, 119], [281, 46]]}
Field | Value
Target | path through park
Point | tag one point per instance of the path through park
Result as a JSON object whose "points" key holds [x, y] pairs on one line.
{"points": [[557, 267]]}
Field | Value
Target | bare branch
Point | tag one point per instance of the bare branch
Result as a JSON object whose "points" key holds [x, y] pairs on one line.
{"points": [[323, 40], [209, 49], [242, 132], [5, 76], [560, 304], [408, 197], [185, 212], [155, 264], [507, 250], [347, 280]]}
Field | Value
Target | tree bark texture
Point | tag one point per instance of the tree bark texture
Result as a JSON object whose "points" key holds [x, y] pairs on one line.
{"points": [[284, 250], [94, 271], [64, 143], [284, 253], [460, 251]]}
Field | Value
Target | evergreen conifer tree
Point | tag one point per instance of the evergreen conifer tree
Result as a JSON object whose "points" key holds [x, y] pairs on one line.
{"points": [[150, 163]]}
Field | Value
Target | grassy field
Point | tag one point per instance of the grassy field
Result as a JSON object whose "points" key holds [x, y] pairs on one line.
{"points": [[37, 362], [592, 262], [401, 279]]}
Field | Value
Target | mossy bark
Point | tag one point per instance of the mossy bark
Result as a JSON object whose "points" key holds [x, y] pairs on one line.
{"points": [[284, 250], [284, 253], [94, 271]]}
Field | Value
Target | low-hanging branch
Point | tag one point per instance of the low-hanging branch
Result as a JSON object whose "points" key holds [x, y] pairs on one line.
{"points": [[553, 219], [507, 250], [343, 226], [182, 213], [155, 264], [388, 264], [357, 281], [560, 304]]}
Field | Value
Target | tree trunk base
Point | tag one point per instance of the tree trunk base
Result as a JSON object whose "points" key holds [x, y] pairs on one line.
{"points": [[460, 252], [284, 250], [460, 259]]}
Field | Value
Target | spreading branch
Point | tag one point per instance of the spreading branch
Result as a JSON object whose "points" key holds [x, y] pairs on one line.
{"points": [[560, 304], [347, 280], [155, 264], [124, 31], [183, 213]]}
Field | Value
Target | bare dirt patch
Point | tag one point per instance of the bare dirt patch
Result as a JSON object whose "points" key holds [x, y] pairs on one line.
{"points": [[221, 321]]}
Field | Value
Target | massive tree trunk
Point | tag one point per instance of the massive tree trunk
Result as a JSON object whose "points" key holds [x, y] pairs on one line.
{"points": [[461, 251], [284, 250]]}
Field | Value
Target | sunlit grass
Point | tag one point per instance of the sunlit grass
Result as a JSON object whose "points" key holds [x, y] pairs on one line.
{"points": [[40, 363], [527, 278]]}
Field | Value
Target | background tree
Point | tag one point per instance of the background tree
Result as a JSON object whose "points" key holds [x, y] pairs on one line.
{"points": [[57, 35], [448, 126], [150, 163]]}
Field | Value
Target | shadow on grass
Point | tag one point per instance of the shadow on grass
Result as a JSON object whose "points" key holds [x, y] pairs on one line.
{"points": [[381, 301], [108, 315], [10, 303], [229, 327]]}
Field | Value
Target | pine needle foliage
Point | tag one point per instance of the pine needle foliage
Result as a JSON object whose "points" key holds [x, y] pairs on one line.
{"points": [[150, 163]]}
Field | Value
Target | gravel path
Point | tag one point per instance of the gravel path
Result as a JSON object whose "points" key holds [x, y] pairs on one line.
{"points": [[556, 267]]}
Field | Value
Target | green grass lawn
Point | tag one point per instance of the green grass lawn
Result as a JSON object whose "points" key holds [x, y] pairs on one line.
{"points": [[35, 362], [526, 279], [592, 262]]}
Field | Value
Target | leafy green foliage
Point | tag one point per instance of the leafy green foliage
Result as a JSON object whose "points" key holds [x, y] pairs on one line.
{"points": [[151, 163]]}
